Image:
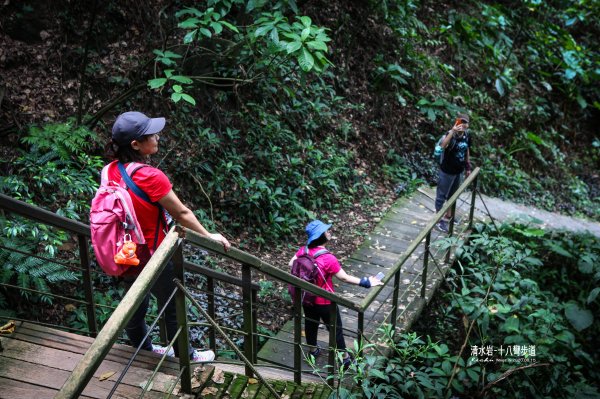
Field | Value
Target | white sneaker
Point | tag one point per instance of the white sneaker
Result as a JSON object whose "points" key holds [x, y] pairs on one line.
{"points": [[199, 356], [162, 349]]}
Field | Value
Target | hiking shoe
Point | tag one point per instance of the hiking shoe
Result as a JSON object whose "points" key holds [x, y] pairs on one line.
{"points": [[199, 356], [317, 352], [162, 349], [442, 226], [348, 362]]}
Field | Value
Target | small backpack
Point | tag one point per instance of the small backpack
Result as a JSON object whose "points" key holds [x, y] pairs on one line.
{"points": [[113, 219], [305, 267], [439, 152]]}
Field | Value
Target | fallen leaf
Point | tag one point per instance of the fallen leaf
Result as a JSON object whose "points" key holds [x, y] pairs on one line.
{"points": [[209, 391], [218, 376], [252, 381], [8, 328], [106, 375]]}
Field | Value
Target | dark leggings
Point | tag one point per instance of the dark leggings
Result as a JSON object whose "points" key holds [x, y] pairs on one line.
{"points": [[312, 315], [162, 289], [447, 186]]}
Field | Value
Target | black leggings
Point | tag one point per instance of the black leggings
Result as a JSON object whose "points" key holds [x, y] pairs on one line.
{"points": [[312, 315]]}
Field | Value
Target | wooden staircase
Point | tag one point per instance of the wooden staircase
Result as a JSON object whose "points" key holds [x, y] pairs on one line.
{"points": [[35, 361]]}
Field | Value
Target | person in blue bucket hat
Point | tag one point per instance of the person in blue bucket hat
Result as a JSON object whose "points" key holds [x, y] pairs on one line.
{"points": [[318, 234]]}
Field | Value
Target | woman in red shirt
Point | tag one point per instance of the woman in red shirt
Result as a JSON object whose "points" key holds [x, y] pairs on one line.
{"points": [[134, 139]]}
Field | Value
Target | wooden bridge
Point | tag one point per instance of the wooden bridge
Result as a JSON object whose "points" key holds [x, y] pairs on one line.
{"points": [[50, 363]]}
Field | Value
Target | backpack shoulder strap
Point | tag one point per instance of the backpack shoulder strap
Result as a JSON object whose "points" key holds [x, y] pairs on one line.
{"points": [[319, 253], [126, 176], [104, 175]]}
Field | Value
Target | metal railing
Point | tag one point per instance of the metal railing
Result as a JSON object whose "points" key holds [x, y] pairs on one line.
{"points": [[82, 231], [249, 264]]}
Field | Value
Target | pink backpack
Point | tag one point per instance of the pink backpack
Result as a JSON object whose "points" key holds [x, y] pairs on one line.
{"points": [[112, 217]]}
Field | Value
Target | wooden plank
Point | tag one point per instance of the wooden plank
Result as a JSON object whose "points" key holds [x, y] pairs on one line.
{"points": [[49, 377], [66, 361], [17, 389], [74, 343]]}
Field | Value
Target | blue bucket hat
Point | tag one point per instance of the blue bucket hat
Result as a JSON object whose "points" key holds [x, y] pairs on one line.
{"points": [[315, 229]]}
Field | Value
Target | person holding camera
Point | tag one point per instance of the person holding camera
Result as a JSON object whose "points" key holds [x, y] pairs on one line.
{"points": [[454, 161]]}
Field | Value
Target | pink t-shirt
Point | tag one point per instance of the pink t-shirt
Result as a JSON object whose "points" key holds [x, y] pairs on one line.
{"points": [[329, 265], [156, 185]]}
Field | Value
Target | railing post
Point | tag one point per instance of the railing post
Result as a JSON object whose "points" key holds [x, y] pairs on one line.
{"points": [[183, 339], [332, 333], [425, 264], [473, 198], [255, 326], [87, 284], [395, 296], [248, 312], [360, 331], [450, 231], [297, 335], [210, 286]]}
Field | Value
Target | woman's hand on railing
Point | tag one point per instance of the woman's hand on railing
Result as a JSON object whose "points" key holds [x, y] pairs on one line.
{"points": [[375, 281], [218, 237]]}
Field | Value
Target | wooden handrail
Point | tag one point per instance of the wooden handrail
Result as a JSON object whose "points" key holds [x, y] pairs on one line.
{"points": [[84, 370], [264, 267]]}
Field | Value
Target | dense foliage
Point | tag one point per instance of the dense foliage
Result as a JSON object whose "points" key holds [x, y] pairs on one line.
{"points": [[279, 111], [517, 319], [283, 109]]}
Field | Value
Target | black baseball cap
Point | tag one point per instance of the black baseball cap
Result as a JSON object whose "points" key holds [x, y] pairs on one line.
{"points": [[133, 125]]}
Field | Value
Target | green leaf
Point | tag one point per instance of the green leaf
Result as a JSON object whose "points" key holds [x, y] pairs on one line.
{"points": [[304, 34], [170, 54], [585, 264], [306, 21], [190, 36], [582, 102], [580, 318], [500, 87], [177, 88], [262, 30], [293, 46], [306, 60], [593, 295], [378, 374], [556, 248], [217, 27], [206, 32], [181, 79], [176, 97], [316, 45], [188, 98], [511, 325], [189, 23], [570, 74], [156, 83], [230, 26]]}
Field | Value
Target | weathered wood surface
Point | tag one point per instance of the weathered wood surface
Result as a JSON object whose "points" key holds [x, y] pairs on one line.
{"points": [[36, 362]]}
